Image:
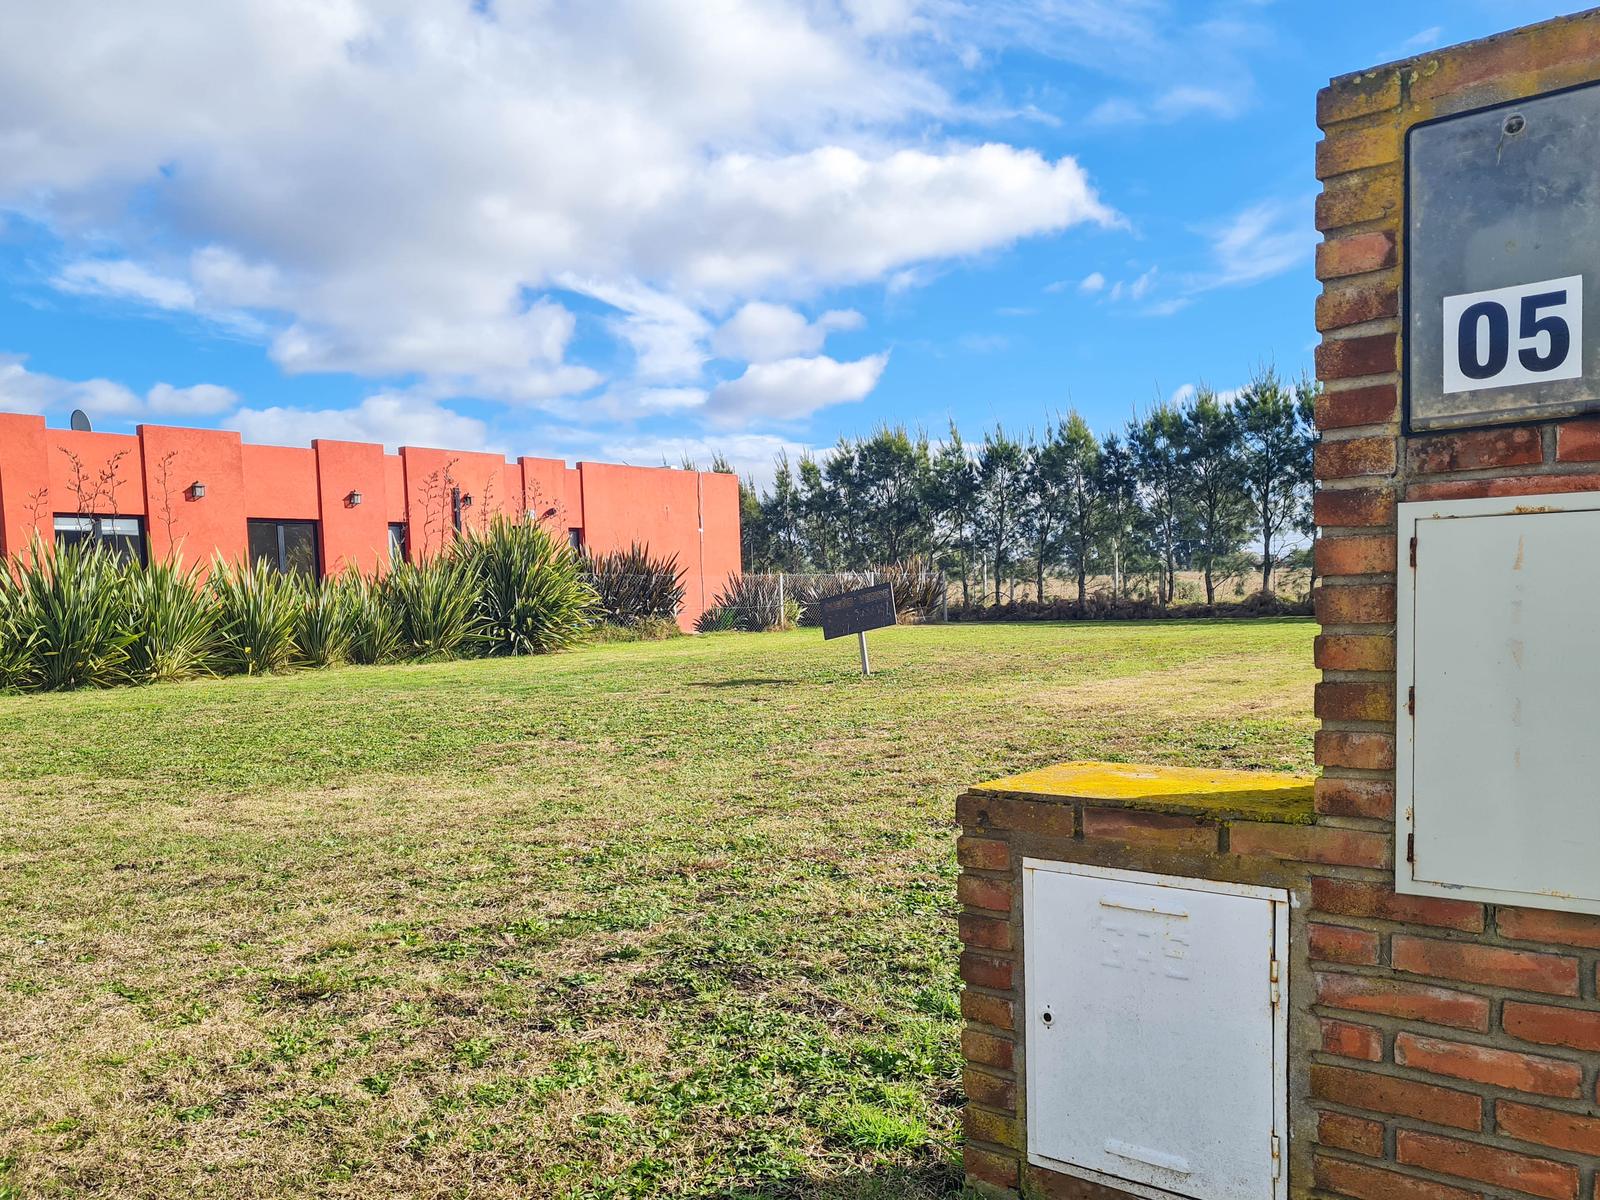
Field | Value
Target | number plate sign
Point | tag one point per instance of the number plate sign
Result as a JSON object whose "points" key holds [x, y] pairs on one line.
{"points": [[1502, 243]]}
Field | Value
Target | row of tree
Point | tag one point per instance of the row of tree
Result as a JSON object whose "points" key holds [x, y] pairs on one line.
{"points": [[1187, 486]]}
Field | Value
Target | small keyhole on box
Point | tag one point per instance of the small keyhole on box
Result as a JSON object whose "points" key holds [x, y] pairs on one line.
{"points": [[1515, 124], [1047, 1017]]}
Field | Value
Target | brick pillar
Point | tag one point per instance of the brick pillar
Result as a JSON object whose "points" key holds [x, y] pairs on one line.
{"points": [[1459, 1042]]}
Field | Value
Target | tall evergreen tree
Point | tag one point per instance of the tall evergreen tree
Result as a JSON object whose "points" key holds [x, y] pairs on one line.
{"points": [[1275, 442], [1079, 458], [1157, 443], [1002, 483], [1117, 484], [1044, 505], [1218, 508], [955, 504]]}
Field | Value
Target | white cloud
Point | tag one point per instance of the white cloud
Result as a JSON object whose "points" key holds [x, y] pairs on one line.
{"points": [[752, 455], [1423, 39], [22, 390], [401, 189], [203, 399], [1261, 241], [1093, 282], [793, 388], [1172, 104], [761, 331], [126, 281], [393, 419]]}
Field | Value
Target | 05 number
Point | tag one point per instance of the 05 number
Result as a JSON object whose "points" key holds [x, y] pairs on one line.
{"points": [[1484, 358]]}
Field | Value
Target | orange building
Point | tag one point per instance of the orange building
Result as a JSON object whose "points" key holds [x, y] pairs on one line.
{"points": [[344, 504]]}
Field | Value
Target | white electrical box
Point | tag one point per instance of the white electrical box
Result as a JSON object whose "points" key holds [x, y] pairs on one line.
{"points": [[1157, 1038], [1497, 648]]}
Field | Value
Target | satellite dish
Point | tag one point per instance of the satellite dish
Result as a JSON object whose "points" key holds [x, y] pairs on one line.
{"points": [[80, 420]]}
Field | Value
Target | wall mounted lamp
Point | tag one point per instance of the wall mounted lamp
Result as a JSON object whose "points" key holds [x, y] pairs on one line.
{"points": [[353, 499], [195, 491]]}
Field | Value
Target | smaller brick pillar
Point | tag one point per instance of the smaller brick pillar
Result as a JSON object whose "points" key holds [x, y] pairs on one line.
{"points": [[1234, 826]]}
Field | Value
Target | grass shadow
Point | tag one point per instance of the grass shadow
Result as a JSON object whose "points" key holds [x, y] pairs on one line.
{"points": [[933, 1179]]}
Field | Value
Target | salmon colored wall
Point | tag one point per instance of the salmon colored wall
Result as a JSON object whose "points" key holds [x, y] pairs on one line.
{"points": [[281, 482], [394, 486], [695, 516], [353, 536], [430, 475], [544, 482], [86, 474], [723, 546], [24, 482], [573, 496], [664, 508], [200, 528]]}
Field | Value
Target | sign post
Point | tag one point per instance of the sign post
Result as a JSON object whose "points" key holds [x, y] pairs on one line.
{"points": [[856, 612]]}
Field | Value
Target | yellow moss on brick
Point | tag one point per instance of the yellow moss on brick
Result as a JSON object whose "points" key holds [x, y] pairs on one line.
{"points": [[1237, 795]]}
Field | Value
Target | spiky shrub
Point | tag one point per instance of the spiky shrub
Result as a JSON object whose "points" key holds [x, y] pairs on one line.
{"points": [[755, 604], [717, 619], [75, 612], [531, 595], [322, 631], [174, 621], [634, 586], [257, 608], [374, 623], [435, 605], [18, 631], [918, 586]]}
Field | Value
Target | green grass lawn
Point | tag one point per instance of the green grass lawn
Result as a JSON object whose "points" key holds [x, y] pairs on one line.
{"points": [[662, 919]]}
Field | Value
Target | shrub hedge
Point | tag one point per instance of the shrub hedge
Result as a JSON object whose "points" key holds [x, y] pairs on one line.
{"points": [[76, 616]]}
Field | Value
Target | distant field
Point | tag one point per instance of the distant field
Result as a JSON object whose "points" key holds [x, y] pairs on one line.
{"points": [[671, 919]]}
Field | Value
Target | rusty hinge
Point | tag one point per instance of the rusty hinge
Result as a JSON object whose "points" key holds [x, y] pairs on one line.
{"points": [[1274, 992], [1413, 550], [1411, 701], [1411, 847], [1277, 1157]]}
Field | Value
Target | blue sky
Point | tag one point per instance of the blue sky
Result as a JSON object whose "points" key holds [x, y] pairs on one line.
{"points": [[643, 231]]}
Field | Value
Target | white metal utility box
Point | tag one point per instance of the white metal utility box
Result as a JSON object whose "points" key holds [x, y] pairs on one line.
{"points": [[1156, 1031], [1498, 670]]}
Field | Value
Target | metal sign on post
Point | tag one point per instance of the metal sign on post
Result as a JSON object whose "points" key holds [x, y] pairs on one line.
{"points": [[856, 612], [1502, 242]]}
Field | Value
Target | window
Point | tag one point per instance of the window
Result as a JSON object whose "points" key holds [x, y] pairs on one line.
{"points": [[397, 541], [575, 539], [123, 536], [288, 546]]}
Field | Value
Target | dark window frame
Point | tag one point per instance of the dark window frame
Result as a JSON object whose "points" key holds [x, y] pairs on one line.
{"points": [[282, 524], [134, 545], [399, 539]]}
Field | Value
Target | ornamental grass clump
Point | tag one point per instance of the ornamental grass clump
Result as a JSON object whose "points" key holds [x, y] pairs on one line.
{"points": [[435, 604], [74, 617], [257, 610], [751, 604], [634, 586], [174, 622], [17, 632], [374, 622], [531, 597], [322, 631]]}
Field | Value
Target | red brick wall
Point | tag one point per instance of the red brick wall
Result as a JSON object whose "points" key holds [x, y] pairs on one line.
{"points": [[997, 831], [1458, 1044]]}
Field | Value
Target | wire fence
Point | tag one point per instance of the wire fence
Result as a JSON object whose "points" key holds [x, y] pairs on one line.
{"points": [[781, 600]]}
